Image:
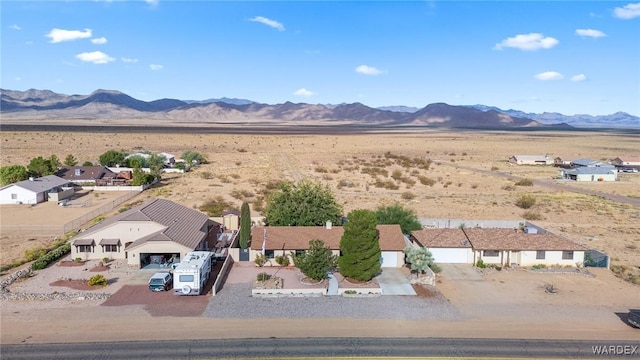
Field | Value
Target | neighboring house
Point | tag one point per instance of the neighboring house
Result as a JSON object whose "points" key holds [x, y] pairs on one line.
{"points": [[98, 175], [589, 163], [531, 160], [169, 159], [589, 174], [626, 161], [36, 190], [282, 240], [559, 162], [158, 232], [449, 246], [499, 246]]}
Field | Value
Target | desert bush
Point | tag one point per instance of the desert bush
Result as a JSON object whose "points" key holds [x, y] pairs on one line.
{"points": [[373, 171], [509, 187], [532, 215], [326, 177], [263, 276], [206, 175], [282, 260], [235, 176], [321, 169], [345, 183], [426, 181], [525, 201], [524, 182], [105, 260], [435, 268], [408, 195], [474, 186], [34, 253], [51, 256], [215, 207], [480, 264], [97, 280], [386, 184], [495, 168], [260, 260]]}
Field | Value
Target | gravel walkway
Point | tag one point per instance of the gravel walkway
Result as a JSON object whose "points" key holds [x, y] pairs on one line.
{"points": [[235, 301]]}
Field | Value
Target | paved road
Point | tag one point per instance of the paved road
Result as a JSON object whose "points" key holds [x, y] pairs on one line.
{"points": [[552, 184], [325, 347]]}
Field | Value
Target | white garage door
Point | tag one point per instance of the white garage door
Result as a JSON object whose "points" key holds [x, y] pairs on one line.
{"points": [[450, 255], [389, 259]]}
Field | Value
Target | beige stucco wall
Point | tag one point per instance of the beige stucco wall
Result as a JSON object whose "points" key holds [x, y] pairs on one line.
{"points": [[64, 194], [589, 177], [528, 258], [272, 262], [97, 253]]}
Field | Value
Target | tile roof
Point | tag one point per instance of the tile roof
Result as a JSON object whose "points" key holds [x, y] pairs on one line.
{"points": [[41, 184], [298, 237], [87, 173], [441, 238], [182, 225], [517, 240]]}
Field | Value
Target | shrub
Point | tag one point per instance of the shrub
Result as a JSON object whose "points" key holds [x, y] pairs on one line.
{"points": [[539, 266], [495, 168], [97, 280], [215, 207], [263, 276], [282, 260], [350, 292], [532, 215], [408, 195], [525, 182], [525, 201], [320, 169], [260, 260], [509, 187], [105, 260], [426, 181], [51, 256], [480, 264], [78, 259], [35, 253], [435, 268]]}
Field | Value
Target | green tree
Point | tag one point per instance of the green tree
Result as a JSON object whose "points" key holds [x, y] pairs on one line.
{"points": [[193, 156], [396, 214], [112, 158], [419, 258], [138, 177], [245, 225], [305, 203], [87, 163], [315, 262], [55, 162], [40, 166], [359, 246], [136, 161], [12, 173], [70, 160], [156, 165]]}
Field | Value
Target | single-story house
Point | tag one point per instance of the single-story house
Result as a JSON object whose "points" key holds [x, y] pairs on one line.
{"points": [[449, 246], [531, 159], [36, 190], [282, 240], [98, 175], [499, 246], [560, 162], [627, 161], [589, 174], [583, 162], [158, 232]]}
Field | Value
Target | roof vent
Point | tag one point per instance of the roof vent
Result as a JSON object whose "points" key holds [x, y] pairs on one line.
{"points": [[78, 172], [328, 226]]}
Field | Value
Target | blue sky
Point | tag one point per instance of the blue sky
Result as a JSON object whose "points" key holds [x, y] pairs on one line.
{"points": [[573, 57]]}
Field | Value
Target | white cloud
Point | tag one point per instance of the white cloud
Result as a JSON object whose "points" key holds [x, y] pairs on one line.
{"points": [[59, 35], [271, 23], [528, 42], [99, 41], [129, 60], [590, 33], [15, 27], [152, 2], [579, 77], [303, 92], [628, 11], [155, 67], [368, 70], [549, 75], [96, 57]]}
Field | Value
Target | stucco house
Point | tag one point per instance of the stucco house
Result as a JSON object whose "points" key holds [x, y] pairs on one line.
{"points": [[499, 247], [98, 175], [531, 159], [158, 232], [282, 240], [589, 174], [626, 161], [36, 190]]}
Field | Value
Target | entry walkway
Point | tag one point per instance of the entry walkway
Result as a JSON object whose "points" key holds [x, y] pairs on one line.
{"points": [[394, 281], [333, 285]]}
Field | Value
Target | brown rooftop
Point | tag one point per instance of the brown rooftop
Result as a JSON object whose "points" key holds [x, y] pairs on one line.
{"points": [[517, 240], [441, 238]]}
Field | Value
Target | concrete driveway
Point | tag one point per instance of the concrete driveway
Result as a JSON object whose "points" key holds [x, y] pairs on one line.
{"points": [[460, 272], [394, 282]]}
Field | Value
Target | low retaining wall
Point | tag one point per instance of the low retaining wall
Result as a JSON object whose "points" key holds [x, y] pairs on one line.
{"points": [[5, 294], [222, 276], [288, 292], [359, 292]]}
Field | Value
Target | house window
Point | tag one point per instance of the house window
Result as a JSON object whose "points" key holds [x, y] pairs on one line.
{"points": [[490, 253], [14, 196], [269, 254], [300, 252], [110, 248], [567, 255], [84, 248], [540, 254]]}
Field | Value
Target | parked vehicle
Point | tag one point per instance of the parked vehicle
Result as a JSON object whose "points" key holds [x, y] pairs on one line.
{"points": [[161, 281], [634, 317], [192, 273]]}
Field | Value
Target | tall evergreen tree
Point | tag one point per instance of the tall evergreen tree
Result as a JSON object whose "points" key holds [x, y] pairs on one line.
{"points": [[245, 225], [359, 246]]}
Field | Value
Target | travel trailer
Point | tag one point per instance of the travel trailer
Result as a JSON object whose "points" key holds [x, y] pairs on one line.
{"points": [[192, 273]]}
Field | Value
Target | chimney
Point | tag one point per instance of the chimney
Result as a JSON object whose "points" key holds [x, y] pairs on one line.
{"points": [[328, 225]]}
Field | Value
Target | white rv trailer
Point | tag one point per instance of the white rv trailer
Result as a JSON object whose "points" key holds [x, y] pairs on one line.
{"points": [[192, 273]]}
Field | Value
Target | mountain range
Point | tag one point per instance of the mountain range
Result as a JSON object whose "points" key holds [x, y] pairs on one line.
{"points": [[109, 104]]}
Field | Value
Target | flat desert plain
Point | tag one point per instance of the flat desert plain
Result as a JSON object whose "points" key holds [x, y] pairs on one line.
{"points": [[467, 179]]}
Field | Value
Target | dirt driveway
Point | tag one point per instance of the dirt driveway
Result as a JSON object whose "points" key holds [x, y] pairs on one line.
{"points": [[460, 272]]}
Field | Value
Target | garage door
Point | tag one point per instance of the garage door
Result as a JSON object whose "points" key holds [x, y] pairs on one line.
{"points": [[450, 255], [389, 259]]}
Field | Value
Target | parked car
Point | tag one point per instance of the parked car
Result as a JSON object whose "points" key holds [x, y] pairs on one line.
{"points": [[634, 317], [161, 281], [629, 170]]}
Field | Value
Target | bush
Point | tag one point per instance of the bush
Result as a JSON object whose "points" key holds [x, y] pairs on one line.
{"points": [[263, 276], [525, 182], [97, 280], [35, 253], [435, 268], [525, 201], [408, 195], [539, 266], [78, 259], [480, 264], [51, 256], [532, 215], [350, 292], [105, 260], [282, 260], [260, 260]]}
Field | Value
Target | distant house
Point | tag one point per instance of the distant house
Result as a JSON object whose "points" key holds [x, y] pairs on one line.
{"points": [[531, 160], [559, 162], [499, 246], [169, 159], [626, 161], [98, 175], [36, 190], [583, 162], [282, 240], [156, 233], [608, 173]]}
